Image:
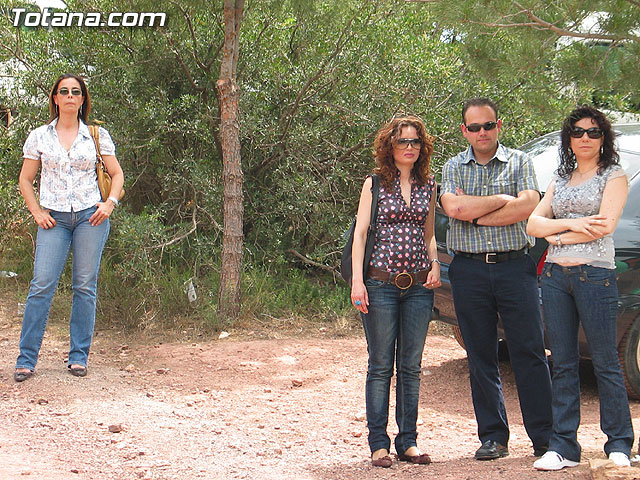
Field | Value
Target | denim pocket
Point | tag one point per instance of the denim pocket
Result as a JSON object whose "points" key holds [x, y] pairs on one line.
{"points": [[597, 276], [370, 282]]}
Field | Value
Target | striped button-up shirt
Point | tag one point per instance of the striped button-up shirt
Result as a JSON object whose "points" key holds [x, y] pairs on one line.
{"points": [[509, 172], [68, 178]]}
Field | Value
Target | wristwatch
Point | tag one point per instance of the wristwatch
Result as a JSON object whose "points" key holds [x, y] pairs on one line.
{"points": [[435, 260], [114, 200]]}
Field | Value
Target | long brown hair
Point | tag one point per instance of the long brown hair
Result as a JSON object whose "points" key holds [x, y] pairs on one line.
{"points": [[85, 108], [383, 150]]}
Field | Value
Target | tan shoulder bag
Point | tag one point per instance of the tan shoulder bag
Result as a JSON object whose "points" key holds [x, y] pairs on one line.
{"points": [[104, 179]]}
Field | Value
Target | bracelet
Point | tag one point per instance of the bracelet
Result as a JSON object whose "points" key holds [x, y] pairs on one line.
{"points": [[558, 240], [114, 200], [435, 260]]}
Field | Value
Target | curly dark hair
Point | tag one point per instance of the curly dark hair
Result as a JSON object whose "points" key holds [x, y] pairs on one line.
{"points": [[383, 150], [608, 154], [83, 112]]}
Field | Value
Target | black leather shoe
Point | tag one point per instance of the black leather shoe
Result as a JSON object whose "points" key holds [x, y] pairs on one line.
{"points": [[540, 451], [78, 371], [21, 376], [491, 450]]}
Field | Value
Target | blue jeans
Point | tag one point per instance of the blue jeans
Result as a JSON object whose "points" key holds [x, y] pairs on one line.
{"points": [[72, 233], [589, 296], [482, 293], [395, 327]]}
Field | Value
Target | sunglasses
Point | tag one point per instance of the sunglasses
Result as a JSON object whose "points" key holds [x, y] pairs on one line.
{"points": [[403, 143], [76, 92], [475, 127], [593, 132]]}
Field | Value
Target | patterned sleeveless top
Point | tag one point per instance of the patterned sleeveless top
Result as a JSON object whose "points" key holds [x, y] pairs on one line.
{"points": [[399, 245], [581, 201]]}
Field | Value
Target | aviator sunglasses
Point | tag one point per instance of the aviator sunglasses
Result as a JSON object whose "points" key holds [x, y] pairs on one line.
{"points": [[403, 143], [475, 127], [76, 92], [593, 132]]}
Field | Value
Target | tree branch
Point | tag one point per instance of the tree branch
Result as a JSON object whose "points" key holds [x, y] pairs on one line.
{"points": [[568, 33], [180, 237], [288, 116], [183, 65], [310, 262]]}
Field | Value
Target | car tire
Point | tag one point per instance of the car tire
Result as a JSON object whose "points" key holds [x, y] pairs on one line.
{"points": [[629, 354], [503, 350]]}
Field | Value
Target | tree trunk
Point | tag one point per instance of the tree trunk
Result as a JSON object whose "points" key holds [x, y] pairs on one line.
{"points": [[229, 293]]}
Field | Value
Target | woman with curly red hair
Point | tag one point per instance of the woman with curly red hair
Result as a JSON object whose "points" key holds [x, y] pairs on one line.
{"points": [[395, 294]]}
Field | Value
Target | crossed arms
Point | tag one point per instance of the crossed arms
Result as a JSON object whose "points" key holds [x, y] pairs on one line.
{"points": [[490, 210]]}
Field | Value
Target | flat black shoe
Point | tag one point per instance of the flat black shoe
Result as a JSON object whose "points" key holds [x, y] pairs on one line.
{"points": [[540, 451], [78, 371], [22, 376], [491, 450]]}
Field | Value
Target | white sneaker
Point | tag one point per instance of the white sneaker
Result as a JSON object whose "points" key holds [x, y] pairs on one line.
{"points": [[553, 461], [620, 459]]}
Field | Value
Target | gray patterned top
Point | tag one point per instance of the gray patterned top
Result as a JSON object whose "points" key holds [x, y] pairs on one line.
{"points": [[581, 201]]}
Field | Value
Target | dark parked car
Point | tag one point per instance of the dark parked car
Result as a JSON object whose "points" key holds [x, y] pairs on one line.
{"points": [[544, 151]]}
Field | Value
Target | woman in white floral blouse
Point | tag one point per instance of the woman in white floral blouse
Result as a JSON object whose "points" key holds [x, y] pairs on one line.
{"points": [[71, 217]]}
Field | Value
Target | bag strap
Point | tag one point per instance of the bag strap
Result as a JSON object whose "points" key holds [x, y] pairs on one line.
{"points": [[375, 191], [95, 134]]}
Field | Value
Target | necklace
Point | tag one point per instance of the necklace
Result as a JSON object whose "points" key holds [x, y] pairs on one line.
{"points": [[585, 173]]}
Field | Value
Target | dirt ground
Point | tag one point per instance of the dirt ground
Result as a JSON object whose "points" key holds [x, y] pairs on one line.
{"points": [[242, 408]]}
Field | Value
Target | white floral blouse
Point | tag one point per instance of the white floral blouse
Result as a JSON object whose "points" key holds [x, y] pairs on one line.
{"points": [[68, 178]]}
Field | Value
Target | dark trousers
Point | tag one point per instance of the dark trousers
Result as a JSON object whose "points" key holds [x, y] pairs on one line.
{"points": [[481, 293]]}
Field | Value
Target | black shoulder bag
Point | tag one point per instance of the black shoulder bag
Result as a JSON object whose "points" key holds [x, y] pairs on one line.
{"points": [[345, 264]]}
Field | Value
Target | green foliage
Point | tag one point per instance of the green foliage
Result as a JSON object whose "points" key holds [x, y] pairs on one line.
{"points": [[586, 50], [292, 292], [317, 79]]}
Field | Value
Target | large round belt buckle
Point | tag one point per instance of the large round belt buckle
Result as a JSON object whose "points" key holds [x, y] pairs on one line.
{"points": [[403, 280]]}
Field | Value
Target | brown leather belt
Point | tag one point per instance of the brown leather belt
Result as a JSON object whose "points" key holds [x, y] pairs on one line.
{"points": [[400, 280]]}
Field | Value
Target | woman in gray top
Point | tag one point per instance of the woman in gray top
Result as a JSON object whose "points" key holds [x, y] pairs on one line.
{"points": [[577, 216]]}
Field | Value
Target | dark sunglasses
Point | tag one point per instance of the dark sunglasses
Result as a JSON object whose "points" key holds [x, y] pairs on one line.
{"points": [[475, 127], [76, 92], [403, 143], [593, 132]]}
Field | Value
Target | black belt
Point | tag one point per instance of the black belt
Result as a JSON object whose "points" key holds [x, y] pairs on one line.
{"points": [[495, 257], [400, 280]]}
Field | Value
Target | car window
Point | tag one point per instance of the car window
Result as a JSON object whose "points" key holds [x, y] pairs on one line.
{"points": [[630, 162], [632, 207]]}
